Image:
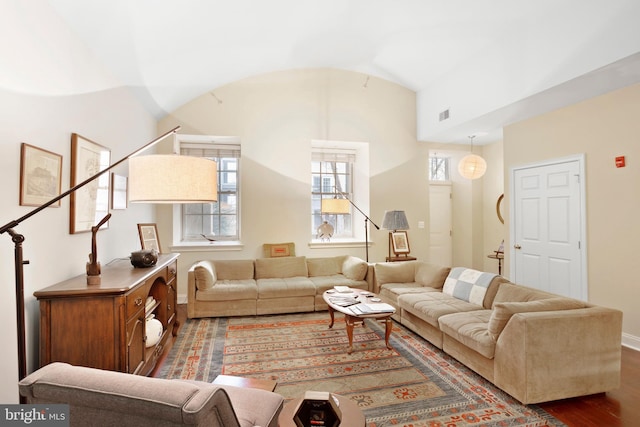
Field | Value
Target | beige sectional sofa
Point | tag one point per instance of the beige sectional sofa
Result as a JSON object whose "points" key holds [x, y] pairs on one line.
{"points": [[534, 345], [106, 398], [270, 285]]}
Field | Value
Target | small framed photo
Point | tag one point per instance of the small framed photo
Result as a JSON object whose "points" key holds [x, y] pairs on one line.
{"points": [[90, 203], [149, 237], [118, 191], [40, 176], [400, 242]]}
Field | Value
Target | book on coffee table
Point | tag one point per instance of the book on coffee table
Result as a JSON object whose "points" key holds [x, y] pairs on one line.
{"points": [[343, 301], [373, 308]]}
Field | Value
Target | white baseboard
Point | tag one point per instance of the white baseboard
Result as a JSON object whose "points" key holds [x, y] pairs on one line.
{"points": [[631, 341]]}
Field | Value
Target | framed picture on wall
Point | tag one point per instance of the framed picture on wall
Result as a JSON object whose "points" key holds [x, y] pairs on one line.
{"points": [[40, 176], [400, 242], [90, 203], [149, 237]]}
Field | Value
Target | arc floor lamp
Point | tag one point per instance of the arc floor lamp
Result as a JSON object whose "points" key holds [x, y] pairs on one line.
{"points": [[152, 179], [341, 206]]}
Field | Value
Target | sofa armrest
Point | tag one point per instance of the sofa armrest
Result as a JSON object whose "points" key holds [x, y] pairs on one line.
{"points": [[371, 278], [543, 356], [117, 398]]}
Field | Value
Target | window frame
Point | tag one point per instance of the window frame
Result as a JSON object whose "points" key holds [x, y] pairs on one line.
{"points": [[203, 142], [359, 191]]}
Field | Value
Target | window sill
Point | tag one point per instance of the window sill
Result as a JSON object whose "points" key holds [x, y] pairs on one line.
{"points": [[316, 244], [207, 246]]}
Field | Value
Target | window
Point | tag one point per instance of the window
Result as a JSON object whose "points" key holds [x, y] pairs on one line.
{"points": [[439, 168], [331, 177], [220, 220]]}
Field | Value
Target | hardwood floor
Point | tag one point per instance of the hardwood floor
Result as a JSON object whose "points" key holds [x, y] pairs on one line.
{"points": [[618, 408]]}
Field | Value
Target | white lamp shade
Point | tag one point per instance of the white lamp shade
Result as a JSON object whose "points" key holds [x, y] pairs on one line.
{"points": [[395, 220], [335, 206], [472, 166], [170, 178]]}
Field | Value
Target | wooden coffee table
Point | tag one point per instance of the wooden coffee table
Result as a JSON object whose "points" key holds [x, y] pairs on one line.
{"points": [[351, 318]]}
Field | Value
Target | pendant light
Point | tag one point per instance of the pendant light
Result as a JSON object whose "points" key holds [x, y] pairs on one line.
{"points": [[472, 166]]}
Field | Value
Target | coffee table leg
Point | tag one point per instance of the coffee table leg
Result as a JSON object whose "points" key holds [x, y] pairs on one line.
{"points": [[348, 320], [387, 331], [331, 310]]}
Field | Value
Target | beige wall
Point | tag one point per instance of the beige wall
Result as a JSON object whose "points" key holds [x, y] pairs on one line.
{"points": [[602, 128], [493, 186], [54, 254], [276, 116]]}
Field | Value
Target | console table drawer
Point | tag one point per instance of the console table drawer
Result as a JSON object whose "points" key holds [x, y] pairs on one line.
{"points": [[136, 300]]}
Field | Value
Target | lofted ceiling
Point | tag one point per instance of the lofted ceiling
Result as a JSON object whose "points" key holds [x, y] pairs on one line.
{"points": [[489, 62]]}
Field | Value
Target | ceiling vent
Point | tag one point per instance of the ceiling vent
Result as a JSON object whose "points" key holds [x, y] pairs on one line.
{"points": [[444, 115]]}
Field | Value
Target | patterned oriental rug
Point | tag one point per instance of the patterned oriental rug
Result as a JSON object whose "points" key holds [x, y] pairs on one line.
{"points": [[413, 385]]}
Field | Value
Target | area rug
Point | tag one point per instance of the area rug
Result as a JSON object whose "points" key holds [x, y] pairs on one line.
{"points": [[413, 385]]}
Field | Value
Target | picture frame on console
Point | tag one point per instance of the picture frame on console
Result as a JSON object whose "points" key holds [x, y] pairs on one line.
{"points": [[40, 176], [149, 237], [400, 242], [90, 203]]}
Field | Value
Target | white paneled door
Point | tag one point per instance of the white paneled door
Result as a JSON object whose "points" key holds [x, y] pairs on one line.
{"points": [[440, 224], [548, 244]]}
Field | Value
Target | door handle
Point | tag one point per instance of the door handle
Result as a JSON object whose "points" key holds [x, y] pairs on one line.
{"points": [[517, 246]]}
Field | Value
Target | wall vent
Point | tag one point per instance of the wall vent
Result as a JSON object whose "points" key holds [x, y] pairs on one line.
{"points": [[444, 115]]}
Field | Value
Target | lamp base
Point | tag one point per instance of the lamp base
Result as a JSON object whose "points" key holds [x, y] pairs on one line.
{"points": [[93, 280]]}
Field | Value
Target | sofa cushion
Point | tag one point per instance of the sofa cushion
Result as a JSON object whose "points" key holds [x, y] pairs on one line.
{"points": [[323, 266], [205, 275], [502, 311], [391, 291], [230, 290], [285, 287], [270, 268], [431, 275], [354, 268], [429, 306], [509, 292], [324, 283], [241, 269], [470, 329], [395, 272], [468, 284]]}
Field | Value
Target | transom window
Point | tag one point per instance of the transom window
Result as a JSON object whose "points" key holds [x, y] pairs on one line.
{"points": [[439, 168]]}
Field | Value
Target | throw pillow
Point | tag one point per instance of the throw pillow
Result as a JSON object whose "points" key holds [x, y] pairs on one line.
{"points": [[323, 266], [431, 275], [467, 284], [503, 311], [280, 268], [274, 250], [354, 268], [205, 275]]}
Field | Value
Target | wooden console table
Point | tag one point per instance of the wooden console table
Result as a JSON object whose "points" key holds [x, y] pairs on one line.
{"points": [[400, 258], [103, 326]]}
